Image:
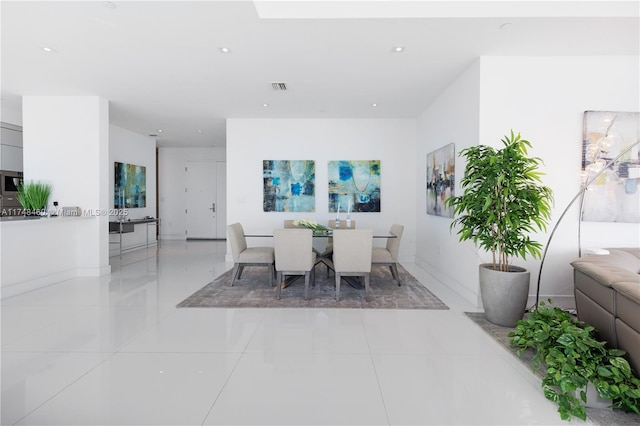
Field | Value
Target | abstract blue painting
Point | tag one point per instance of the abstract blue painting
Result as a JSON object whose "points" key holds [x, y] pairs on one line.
{"points": [[130, 186], [354, 186], [289, 185]]}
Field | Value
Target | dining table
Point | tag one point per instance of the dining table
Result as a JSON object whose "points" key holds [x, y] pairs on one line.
{"points": [[325, 256]]}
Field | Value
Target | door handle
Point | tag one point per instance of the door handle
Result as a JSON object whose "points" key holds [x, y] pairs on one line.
{"points": [[213, 207]]}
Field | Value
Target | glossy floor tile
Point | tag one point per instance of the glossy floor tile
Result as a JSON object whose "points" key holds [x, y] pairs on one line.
{"points": [[140, 389], [116, 351], [279, 388]]}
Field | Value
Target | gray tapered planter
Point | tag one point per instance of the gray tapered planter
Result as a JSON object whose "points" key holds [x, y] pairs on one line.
{"points": [[504, 294]]}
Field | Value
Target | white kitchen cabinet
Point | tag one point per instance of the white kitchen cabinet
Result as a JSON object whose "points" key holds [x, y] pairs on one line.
{"points": [[11, 147]]}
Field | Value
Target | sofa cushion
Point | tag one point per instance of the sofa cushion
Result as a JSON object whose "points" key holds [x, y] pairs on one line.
{"points": [[620, 265], [629, 341], [628, 304], [595, 315], [633, 251], [603, 295]]}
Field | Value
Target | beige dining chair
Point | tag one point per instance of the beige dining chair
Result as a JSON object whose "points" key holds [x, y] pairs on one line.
{"points": [[248, 256], [352, 256], [294, 256], [388, 256], [289, 223], [329, 248]]}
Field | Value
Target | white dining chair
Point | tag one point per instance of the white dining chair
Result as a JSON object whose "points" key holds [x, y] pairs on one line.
{"points": [[388, 256], [294, 256], [248, 256], [329, 247], [352, 256]]}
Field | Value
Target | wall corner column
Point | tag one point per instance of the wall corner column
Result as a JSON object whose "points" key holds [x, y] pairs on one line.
{"points": [[66, 143]]}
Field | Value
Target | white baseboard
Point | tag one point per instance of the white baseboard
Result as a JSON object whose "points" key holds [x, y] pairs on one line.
{"points": [[11, 290], [459, 289], [94, 272], [561, 301], [173, 237]]}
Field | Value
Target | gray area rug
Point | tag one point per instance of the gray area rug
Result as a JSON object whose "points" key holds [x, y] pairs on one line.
{"points": [[602, 417], [253, 291]]}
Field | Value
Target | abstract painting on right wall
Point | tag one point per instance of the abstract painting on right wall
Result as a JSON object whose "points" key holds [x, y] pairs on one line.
{"points": [[613, 195], [441, 179]]}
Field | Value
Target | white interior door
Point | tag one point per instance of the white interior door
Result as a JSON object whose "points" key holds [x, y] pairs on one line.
{"points": [[205, 199], [221, 203]]}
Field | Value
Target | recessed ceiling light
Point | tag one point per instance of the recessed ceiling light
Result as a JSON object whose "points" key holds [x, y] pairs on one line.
{"points": [[49, 49], [375, 105], [397, 49], [265, 105], [225, 50], [160, 130], [200, 130]]}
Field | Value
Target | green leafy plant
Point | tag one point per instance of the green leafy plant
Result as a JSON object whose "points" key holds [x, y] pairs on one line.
{"points": [[310, 224], [34, 196], [502, 200], [573, 357]]}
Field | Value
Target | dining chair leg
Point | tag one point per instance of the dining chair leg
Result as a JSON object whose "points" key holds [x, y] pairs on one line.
{"points": [[366, 286], [240, 270], [272, 272], [394, 273], [307, 278], [279, 279], [337, 275], [234, 274]]}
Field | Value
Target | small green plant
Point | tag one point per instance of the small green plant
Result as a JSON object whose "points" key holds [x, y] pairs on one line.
{"points": [[573, 357], [310, 224], [502, 200], [34, 196]]}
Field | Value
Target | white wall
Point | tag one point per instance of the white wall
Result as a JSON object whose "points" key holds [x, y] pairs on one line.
{"points": [[172, 183], [128, 147], [392, 141], [544, 98], [452, 118], [65, 141]]}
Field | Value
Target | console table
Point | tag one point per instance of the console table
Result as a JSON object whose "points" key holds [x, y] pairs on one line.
{"points": [[128, 226]]}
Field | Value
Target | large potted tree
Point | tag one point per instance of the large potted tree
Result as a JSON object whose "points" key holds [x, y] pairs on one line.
{"points": [[503, 201]]}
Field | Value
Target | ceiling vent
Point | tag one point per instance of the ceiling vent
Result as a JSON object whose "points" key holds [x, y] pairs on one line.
{"points": [[279, 86]]}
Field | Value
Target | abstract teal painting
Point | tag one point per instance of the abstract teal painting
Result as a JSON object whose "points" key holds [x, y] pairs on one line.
{"points": [[354, 186], [130, 186], [289, 185]]}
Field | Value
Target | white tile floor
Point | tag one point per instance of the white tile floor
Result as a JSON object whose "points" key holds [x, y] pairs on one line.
{"points": [[116, 351]]}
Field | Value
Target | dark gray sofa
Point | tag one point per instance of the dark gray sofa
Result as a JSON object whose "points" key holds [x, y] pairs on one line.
{"points": [[607, 292]]}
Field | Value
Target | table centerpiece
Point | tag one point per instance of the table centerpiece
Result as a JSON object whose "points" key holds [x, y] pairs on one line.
{"points": [[313, 225]]}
